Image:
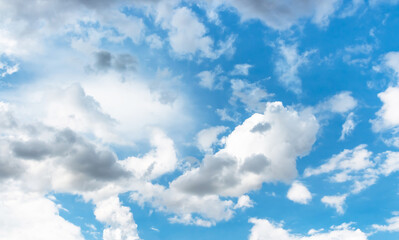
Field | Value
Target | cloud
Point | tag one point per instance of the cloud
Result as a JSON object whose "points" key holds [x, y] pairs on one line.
{"points": [[28, 215], [105, 60], [299, 193], [241, 69], [392, 225], [348, 126], [387, 116], [118, 219], [288, 65], [266, 230], [336, 202], [29, 25], [6, 69], [187, 36], [206, 138], [252, 96], [154, 41], [355, 165], [249, 158], [244, 202], [341, 103], [281, 15], [208, 79]]}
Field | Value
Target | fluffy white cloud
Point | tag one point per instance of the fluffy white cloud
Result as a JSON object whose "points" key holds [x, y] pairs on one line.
{"points": [[206, 138], [263, 149], [119, 223], [336, 202], [387, 116], [265, 230], [28, 215], [241, 69], [251, 95], [299, 193], [288, 64]]}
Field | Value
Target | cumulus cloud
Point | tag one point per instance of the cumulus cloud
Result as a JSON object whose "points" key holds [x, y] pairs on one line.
{"points": [[336, 202], [6, 69], [28, 215], [252, 96], [299, 193], [118, 219], [263, 229], [288, 65], [250, 158], [387, 116]]}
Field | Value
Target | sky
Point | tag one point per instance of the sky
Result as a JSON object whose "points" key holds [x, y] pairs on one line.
{"points": [[208, 119]]}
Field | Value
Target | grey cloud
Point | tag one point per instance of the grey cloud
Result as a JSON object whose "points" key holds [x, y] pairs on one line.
{"points": [[105, 60], [256, 164], [282, 14], [33, 149], [261, 127], [214, 175]]}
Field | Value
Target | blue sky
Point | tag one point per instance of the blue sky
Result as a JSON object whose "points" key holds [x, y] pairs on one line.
{"points": [[169, 119]]}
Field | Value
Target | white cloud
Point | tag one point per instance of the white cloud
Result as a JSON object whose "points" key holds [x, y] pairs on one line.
{"points": [[187, 36], [154, 41], [244, 202], [250, 156], [28, 25], [342, 102], [241, 69], [348, 126], [387, 116], [206, 138], [253, 97], [392, 225], [119, 223], [288, 64], [353, 165], [299, 193], [25, 215], [336, 202], [224, 116], [6, 69], [208, 79], [266, 230]]}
